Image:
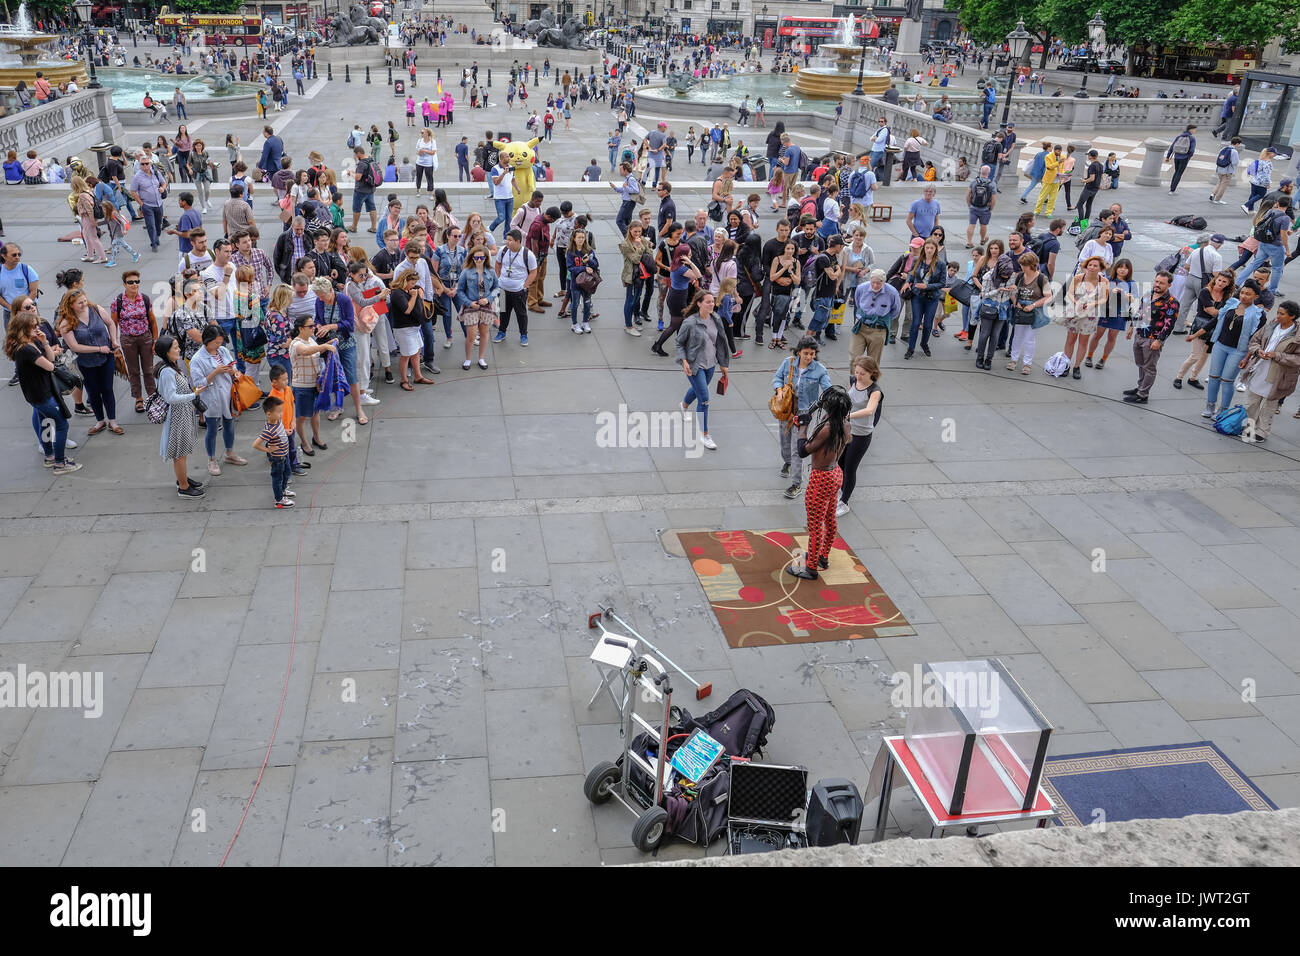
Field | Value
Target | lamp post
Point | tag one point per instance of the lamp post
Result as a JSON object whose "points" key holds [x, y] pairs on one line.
{"points": [[1017, 43], [1096, 34], [862, 63], [82, 9]]}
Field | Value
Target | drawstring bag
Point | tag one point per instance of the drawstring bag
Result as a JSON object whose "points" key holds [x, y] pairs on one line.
{"points": [[1057, 365]]}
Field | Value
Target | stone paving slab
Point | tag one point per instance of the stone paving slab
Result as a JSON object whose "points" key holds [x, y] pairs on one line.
{"points": [[447, 562]]}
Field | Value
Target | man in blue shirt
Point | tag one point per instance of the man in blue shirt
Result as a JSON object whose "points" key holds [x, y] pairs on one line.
{"points": [[789, 158], [272, 150], [879, 142], [190, 219], [923, 214], [1225, 116], [462, 160], [15, 279], [876, 305]]}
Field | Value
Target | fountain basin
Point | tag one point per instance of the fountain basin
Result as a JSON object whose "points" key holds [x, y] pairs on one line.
{"points": [[829, 83], [129, 86], [56, 72]]}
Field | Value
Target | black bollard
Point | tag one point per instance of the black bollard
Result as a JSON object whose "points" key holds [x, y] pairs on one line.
{"points": [[390, 76], [347, 73], [367, 73], [329, 71], [440, 74], [535, 79], [489, 76]]}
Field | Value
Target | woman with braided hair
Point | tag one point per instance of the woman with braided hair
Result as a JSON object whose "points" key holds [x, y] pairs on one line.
{"points": [[827, 438]]}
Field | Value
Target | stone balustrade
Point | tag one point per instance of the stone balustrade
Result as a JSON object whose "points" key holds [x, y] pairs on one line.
{"points": [[1093, 112], [68, 125]]}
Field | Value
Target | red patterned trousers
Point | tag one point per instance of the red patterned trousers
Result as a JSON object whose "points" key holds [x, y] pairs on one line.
{"points": [[821, 498]]}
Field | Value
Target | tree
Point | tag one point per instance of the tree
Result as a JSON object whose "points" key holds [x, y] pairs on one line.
{"points": [[1238, 25], [208, 6]]}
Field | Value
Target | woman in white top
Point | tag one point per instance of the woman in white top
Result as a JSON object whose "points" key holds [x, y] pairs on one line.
{"points": [[426, 159], [1084, 301], [1099, 247], [298, 191], [912, 155]]}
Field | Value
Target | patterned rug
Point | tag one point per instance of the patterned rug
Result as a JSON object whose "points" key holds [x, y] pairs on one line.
{"points": [[757, 604], [1148, 783]]}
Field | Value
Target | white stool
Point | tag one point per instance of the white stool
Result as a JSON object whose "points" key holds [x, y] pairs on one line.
{"points": [[610, 659]]}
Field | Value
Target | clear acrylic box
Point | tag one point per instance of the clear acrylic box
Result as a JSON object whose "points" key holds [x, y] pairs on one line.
{"points": [[977, 736]]}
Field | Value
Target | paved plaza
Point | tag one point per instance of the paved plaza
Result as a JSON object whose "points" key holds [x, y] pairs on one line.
{"points": [[415, 631]]}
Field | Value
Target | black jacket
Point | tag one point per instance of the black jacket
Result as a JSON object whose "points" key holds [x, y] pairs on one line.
{"points": [[282, 257]]}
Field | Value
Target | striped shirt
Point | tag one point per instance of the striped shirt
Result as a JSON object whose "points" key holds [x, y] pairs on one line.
{"points": [[276, 440]]}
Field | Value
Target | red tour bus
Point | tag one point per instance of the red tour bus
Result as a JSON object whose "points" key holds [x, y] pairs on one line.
{"points": [[823, 28], [216, 29]]}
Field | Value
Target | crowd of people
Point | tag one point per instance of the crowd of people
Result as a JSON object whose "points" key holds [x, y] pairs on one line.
{"points": [[314, 321]]}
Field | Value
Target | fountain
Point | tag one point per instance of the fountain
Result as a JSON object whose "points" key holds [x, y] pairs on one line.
{"points": [[837, 69], [25, 45]]}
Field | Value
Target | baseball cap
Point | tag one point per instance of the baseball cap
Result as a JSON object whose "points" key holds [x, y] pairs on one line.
{"points": [[663, 124], [1011, 126], [1284, 183], [916, 243], [1218, 237]]}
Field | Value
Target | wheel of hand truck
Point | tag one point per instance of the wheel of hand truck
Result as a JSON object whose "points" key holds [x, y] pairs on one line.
{"points": [[649, 829], [600, 782]]}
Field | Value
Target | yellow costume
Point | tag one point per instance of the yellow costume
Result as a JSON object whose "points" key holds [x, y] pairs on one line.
{"points": [[519, 157], [1047, 193]]}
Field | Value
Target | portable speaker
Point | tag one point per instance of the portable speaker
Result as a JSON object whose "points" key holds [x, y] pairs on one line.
{"points": [[834, 813]]}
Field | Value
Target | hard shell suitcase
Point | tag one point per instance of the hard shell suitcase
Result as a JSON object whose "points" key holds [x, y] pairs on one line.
{"points": [[766, 808]]}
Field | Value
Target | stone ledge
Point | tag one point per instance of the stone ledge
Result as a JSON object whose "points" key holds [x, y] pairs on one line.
{"points": [[1240, 839]]}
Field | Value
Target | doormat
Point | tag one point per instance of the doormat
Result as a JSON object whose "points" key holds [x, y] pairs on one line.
{"points": [[759, 605], [1148, 783]]}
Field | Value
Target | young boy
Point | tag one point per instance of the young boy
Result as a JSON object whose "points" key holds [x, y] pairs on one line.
{"points": [[275, 442], [280, 389]]}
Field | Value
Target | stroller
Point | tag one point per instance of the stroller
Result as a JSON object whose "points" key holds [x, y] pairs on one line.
{"points": [[642, 779]]}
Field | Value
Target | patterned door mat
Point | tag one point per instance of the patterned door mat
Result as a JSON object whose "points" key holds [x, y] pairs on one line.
{"points": [[758, 604]]}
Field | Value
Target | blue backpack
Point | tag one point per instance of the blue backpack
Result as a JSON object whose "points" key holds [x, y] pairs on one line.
{"points": [[1231, 421]]}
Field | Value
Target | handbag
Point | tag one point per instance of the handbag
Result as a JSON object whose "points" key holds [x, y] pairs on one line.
{"points": [[645, 268], [962, 291], [65, 376], [988, 311], [367, 319], [588, 282], [715, 210], [244, 394], [781, 404], [155, 408]]}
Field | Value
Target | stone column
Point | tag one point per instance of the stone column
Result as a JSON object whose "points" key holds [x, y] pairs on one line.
{"points": [[1151, 163]]}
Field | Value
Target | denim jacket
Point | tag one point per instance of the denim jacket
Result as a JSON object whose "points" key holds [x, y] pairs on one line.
{"points": [[450, 263], [809, 383], [469, 290]]}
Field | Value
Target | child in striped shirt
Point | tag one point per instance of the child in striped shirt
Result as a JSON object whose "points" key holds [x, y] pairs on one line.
{"points": [[274, 440]]}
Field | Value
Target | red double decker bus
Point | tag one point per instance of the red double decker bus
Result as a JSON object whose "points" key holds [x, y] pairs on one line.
{"points": [[823, 28], [215, 29]]}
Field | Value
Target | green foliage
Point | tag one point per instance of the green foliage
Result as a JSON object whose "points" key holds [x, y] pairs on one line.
{"points": [[1251, 25], [207, 6]]}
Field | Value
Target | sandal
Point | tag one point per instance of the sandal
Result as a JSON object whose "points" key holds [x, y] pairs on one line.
{"points": [[332, 416], [362, 421], [424, 381], [407, 387], [117, 429], [97, 428], [139, 406]]}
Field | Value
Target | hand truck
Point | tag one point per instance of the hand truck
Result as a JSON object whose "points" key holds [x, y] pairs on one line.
{"points": [[598, 620]]}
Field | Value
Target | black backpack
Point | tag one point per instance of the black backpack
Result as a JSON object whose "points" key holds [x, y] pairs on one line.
{"points": [[989, 154], [741, 724], [981, 193], [1269, 229], [1188, 222], [1037, 244]]}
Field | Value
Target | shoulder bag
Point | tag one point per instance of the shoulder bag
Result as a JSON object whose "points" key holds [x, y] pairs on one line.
{"points": [[782, 403]]}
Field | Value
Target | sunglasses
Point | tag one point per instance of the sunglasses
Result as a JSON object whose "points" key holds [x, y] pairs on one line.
{"points": [[479, 258], [131, 282]]}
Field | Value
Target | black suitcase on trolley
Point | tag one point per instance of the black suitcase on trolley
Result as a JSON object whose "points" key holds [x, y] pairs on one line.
{"points": [[766, 808]]}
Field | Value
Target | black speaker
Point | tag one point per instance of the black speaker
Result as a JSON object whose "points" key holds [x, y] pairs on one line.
{"points": [[834, 813]]}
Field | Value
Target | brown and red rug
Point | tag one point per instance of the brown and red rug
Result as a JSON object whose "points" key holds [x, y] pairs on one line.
{"points": [[758, 604]]}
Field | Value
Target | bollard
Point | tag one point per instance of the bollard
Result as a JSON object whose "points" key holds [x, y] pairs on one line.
{"points": [[347, 73], [535, 79], [367, 73], [439, 74], [329, 71], [1152, 162], [390, 76], [489, 83]]}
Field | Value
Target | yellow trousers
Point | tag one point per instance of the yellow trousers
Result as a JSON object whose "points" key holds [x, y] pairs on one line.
{"points": [[1046, 199]]}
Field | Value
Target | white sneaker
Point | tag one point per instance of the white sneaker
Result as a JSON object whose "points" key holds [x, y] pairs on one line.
{"points": [[586, 326], [1241, 386], [70, 443], [370, 400], [447, 344], [632, 331], [577, 330], [708, 443], [841, 509]]}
